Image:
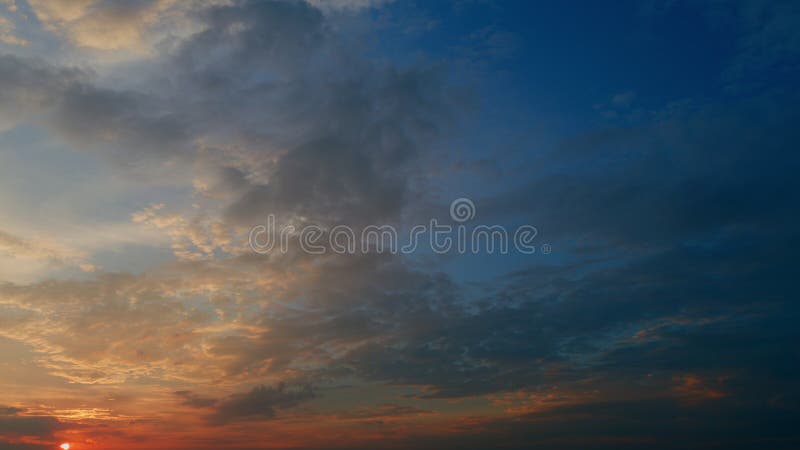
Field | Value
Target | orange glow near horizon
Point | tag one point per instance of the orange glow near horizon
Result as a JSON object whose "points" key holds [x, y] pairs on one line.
{"points": [[65, 446]]}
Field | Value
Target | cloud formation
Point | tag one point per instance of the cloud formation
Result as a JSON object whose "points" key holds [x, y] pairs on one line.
{"points": [[664, 320]]}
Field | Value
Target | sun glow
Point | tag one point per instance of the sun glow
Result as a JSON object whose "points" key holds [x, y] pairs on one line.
{"points": [[64, 446]]}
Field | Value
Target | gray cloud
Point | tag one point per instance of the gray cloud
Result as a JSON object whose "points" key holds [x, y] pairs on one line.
{"points": [[383, 412], [16, 425], [344, 131], [262, 402], [320, 130], [30, 86], [125, 126], [193, 400]]}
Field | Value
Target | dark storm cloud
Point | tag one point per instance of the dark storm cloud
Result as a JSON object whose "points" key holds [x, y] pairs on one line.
{"points": [[189, 398], [19, 446], [690, 271], [524, 332], [684, 308], [262, 402], [708, 289], [609, 319], [351, 128], [13, 424], [636, 424]]}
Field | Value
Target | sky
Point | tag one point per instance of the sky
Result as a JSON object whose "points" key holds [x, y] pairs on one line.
{"points": [[148, 148]]}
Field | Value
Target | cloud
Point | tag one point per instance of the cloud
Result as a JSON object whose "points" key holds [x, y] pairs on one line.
{"points": [[8, 33], [262, 402], [15, 425], [193, 400], [278, 111], [351, 5], [23, 248], [29, 86], [384, 412], [338, 132], [21, 446], [21, 258], [108, 25], [125, 126], [141, 27], [103, 330], [198, 238]]}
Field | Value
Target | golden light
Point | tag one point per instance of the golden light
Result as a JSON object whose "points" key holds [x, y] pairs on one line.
{"points": [[65, 446]]}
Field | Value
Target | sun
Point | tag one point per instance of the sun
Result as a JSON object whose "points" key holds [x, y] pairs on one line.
{"points": [[64, 446]]}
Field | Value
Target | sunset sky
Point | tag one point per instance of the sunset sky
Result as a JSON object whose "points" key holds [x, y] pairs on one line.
{"points": [[653, 145]]}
